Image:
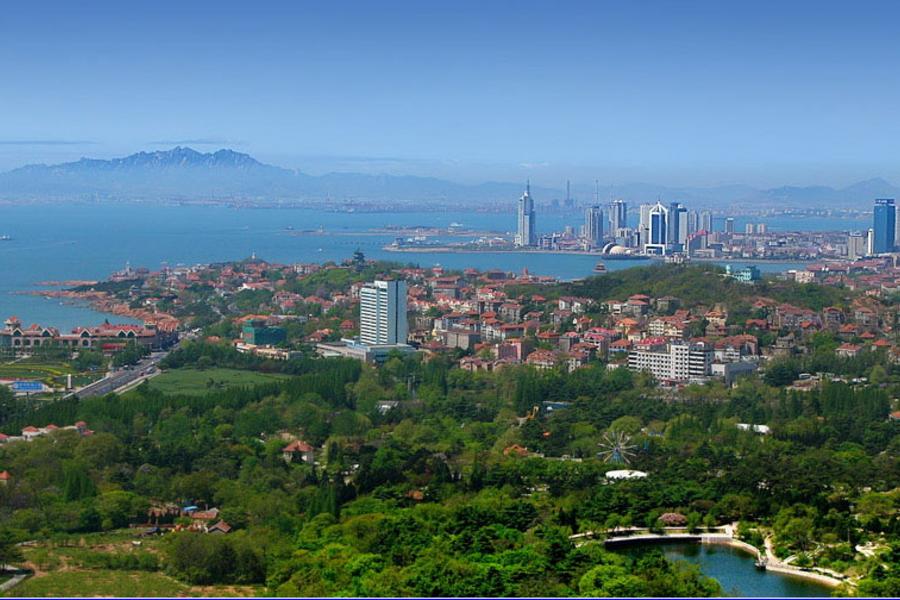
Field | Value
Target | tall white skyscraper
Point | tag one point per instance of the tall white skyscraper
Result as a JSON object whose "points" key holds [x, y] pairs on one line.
{"points": [[382, 313], [644, 224], [525, 227], [706, 221], [593, 225], [618, 217]]}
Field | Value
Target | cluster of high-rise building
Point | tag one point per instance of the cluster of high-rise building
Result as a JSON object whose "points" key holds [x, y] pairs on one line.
{"points": [[661, 229], [664, 229]]}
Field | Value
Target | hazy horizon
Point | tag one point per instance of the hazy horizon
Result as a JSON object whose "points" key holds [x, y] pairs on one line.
{"points": [[691, 93]]}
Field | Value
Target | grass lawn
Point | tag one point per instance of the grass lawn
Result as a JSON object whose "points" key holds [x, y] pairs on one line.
{"points": [[51, 372], [199, 382], [99, 583]]}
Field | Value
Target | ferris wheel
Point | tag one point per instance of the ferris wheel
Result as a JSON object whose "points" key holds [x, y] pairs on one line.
{"points": [[616, 447]]}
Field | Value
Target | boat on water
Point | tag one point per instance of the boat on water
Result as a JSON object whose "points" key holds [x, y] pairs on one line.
{"points": [[760, 563], [5, 238], [600, 268]]}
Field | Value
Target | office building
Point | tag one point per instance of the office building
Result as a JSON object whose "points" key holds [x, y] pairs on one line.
{"points": [[618, 217], [677, 226], [729, 225], [593, 226], [683, 230], [258, 333], [657, 229], [706, 221], [382, 313], [525, 235], [884, 224]]}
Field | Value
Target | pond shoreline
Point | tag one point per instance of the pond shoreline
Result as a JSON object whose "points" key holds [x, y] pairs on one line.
{"points": [[774, 565]]}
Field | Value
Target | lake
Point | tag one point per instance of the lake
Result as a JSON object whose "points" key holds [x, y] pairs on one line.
{"points": [[91, 240], [735, 571]]}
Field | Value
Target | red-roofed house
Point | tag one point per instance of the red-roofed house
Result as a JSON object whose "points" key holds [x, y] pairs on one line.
{"points": [[298, 450]]}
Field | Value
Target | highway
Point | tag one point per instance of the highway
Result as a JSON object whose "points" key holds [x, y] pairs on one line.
{"points": [[120, 378]]}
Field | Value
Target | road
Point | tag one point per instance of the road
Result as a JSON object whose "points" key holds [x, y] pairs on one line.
{"points": [[121, 378]]}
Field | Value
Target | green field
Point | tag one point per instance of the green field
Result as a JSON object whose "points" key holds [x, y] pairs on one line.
{"points": [[198, 382], [99, 583], [61, 571]]}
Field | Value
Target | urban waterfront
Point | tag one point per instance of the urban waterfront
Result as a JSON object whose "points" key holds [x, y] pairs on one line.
{"points": [[65, 242]]}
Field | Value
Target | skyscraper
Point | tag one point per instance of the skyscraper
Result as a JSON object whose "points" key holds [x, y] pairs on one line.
{"points": [[706, 221], [729, 225], [884, 222], [674, 222], [618, 217], [677, 221], [593, 225], [693, 221], [644, 224], [525, 230], [658, 225], [382, 313]]}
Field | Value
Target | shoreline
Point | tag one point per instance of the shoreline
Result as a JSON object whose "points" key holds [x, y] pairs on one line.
{"points": [[102, 303], [636, 259], [725, 540], [451, 250]]}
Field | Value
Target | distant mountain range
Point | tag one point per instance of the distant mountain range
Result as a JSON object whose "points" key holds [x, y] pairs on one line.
{"points": [[185, 174]]}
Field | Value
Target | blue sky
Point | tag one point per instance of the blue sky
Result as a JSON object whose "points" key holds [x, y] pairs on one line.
{"points": [[694, 93]]}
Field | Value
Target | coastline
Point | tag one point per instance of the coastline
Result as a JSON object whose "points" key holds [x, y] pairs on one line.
{"points": [[774, 261], [452, 250], [102, 303], [635, 259]]}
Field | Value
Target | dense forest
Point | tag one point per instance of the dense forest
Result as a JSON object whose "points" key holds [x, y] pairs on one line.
{"points": [[426, 498]]}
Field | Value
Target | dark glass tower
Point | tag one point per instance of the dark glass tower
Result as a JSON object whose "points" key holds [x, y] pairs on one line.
{"points": [[884, 221]]}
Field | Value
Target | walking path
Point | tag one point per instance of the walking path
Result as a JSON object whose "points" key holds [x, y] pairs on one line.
{"points": [[15, 580], [820, 574]]}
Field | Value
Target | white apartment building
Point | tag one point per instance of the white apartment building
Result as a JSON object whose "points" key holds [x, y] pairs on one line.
{"points": [[675, 360]]}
